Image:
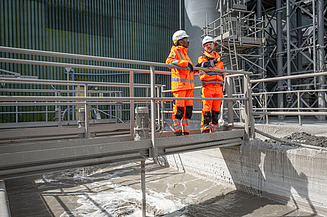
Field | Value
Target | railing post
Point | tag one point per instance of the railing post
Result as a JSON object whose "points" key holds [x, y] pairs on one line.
{"points": [[153, 114], [266, 106], [230, 103], [162, 109], [249, 121], [143, 188], [298, 107], [158, 109], [87, 110], [131, 94]]}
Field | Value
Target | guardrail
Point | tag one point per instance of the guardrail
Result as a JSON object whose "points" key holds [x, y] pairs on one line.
{"points": [[298, 111], [59, 100]]}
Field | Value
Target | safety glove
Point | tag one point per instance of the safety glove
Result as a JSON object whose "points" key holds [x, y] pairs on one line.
{"points": [[213, 62]]}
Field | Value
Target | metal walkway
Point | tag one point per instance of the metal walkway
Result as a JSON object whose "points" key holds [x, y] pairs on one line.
{"points": [[32, 157]]}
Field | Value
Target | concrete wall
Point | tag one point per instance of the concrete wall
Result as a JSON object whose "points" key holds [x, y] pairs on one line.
{"points": [[296, 176]]}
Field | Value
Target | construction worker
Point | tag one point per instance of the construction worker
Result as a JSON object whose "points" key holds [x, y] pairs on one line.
{"points": [[182, 83], [212, 86]]}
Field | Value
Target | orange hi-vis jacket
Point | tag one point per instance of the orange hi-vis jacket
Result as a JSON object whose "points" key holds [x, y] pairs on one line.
{"points": [[181, 79], [210, 77]]}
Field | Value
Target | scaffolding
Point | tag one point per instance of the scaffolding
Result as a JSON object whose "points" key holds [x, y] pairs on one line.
{"points": [[274, 39]]}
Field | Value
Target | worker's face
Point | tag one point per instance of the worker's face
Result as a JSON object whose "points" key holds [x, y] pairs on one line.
{"points": [[184, 42], [209, 47]]}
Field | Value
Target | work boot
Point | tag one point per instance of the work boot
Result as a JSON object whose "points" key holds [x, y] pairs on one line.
{"points": [[178, 133], [186, 133], [205, 131]]}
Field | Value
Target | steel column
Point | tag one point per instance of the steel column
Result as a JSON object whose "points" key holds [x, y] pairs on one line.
{"points": [[260, 50], [280, 97], [288, 39], [321, 55]]}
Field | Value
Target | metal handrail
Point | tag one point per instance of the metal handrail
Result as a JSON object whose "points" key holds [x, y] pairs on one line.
{"points": [[289, 77], [88, 100], [96, 58], [299, 113]]}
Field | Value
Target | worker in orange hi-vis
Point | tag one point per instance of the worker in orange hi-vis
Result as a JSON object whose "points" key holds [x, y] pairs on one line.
{"points": [[182, 83], [212, 86]]}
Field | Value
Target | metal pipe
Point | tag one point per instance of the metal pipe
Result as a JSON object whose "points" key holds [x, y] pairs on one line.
{"points": [[292, 91], [143, 188], [280, 98], [4, 203], [260, 50], [291, 109], [61, 82], [131, 94], [87, 110], [314, 41], [96, 58], [289, 142], [288, 39], [103, 99], [292, 113], [289, 77], [153, 114], [321, 54]]}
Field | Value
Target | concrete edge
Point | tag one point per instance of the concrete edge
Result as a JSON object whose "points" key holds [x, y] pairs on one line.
{"points": [[4, 202]]}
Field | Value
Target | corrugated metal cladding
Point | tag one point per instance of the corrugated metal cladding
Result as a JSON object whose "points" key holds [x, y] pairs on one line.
{"points": [[138, 29], [129, 29]]}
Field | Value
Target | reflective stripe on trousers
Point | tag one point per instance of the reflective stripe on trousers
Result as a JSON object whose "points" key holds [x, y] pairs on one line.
{"points": [[186, 125], [177, 125]]}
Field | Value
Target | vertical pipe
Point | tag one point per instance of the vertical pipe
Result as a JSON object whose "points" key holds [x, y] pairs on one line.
{"points": [[298, 107], [131, 94], [86, 125], [299, 37], [249, 122], [288, 41], [229, 91], [266, 106], [153, 114], [180, 14], [260, 51], [158, 108], [143, 188], [321, 56], [246, 109], [314, 41], [279, 53], [162, 109]]}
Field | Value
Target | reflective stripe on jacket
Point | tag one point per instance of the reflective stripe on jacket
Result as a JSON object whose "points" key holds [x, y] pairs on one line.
{"points": [[208, 76], [181, 79]]}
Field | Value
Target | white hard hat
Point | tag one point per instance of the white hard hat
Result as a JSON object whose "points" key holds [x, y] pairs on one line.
{"points": [[207, 39], [179, 35]]}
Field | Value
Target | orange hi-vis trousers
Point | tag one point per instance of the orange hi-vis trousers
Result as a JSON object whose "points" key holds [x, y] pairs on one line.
{"points": [[211, 108], [182, 112]]}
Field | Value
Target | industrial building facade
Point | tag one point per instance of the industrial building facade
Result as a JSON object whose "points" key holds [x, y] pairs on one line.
{"points": [[138, 30]]}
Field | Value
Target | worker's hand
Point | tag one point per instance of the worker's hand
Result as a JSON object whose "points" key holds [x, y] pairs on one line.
{"points": [[205, 64], [213, 63], [191, 67]]}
